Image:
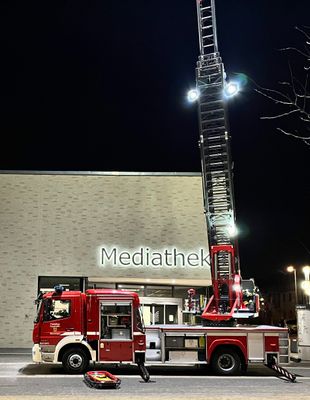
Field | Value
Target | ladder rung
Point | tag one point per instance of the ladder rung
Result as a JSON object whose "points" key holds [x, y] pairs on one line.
{"points": [[216, 164], [210, 137], [216, 146], [223, 192], [212, 156]]}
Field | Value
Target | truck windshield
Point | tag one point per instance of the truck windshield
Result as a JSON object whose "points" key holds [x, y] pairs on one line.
{"points": [[37, 318], [56, 309], [139, 320]]}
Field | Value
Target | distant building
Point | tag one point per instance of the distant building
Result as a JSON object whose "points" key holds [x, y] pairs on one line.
{"points": [[280, 305]]}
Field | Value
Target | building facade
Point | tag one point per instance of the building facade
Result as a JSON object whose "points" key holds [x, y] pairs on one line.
{"points": [[139, 231]]}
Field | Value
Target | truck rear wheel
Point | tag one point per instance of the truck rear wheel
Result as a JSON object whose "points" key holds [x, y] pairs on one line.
{"points": [[75, 361], [226, 362]]}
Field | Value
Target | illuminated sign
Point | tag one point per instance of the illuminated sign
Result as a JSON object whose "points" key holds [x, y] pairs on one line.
{"points": [[146, 257]]}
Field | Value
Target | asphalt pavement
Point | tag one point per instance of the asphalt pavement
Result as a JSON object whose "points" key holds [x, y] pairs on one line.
{"points": [[20, 378]]}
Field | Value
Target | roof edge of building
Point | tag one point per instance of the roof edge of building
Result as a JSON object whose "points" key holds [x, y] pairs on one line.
{"points": [[98, 173]]}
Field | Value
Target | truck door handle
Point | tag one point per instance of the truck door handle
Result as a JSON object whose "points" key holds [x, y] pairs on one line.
{"points": [[69, 329]]}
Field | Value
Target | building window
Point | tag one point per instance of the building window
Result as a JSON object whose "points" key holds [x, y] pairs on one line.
{"points": [[139, 289], [158, 314], [47, 283], [101, 285], [159, 291], [182, 291]]}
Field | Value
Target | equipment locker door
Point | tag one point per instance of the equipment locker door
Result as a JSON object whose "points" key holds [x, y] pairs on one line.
{"points": [[116, 336], [255, 346]]}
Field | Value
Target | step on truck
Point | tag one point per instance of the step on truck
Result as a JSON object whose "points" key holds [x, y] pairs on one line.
{"points": [[106, 327]]}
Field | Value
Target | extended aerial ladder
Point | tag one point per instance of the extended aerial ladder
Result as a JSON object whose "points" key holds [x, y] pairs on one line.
{"points": [[229, 297]]}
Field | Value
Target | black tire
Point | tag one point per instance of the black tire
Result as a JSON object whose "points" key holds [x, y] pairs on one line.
{"points": [[75, 361], [226, 361]]}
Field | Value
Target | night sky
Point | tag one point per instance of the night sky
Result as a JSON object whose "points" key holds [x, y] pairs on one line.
{"points": [[100, 86]]}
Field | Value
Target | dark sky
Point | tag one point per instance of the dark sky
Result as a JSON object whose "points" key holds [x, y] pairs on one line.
{"points": [[100, 85]]}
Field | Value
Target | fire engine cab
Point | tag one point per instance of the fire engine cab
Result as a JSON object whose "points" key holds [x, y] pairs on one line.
{"points": [[100, 325]]}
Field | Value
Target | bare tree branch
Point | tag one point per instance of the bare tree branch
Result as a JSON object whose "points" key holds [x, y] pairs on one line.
{"points": [[295, 49], [281, 115], [305, 139], [303, 32], [294, 97]]}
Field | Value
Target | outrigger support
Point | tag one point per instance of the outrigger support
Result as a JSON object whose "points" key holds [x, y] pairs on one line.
{"points": [[144, 372], [272, 364]]}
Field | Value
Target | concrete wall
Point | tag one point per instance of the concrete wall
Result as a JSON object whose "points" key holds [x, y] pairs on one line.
{"points": [[53, 225]]}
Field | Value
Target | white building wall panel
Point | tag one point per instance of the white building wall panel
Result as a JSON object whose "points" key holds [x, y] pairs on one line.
{"points": [[54, 224]]}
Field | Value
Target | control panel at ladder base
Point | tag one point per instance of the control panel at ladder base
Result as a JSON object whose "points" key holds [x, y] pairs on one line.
{"points": [[232, 297]]}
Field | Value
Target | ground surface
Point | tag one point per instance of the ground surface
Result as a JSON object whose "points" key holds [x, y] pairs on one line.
{"points": [[19, 378]]}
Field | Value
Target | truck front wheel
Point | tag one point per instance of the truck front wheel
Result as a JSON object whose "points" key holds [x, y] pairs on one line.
{"points": [[226, 362], [75, 361]]}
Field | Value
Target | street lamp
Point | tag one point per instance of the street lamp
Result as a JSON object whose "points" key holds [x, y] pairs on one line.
{"points": [[292, 269]]}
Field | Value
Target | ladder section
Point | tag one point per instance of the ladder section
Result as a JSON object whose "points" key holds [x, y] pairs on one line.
{"points": [[207, 26], [214, 137], [216, 166], [215, 152], [226, 303]]}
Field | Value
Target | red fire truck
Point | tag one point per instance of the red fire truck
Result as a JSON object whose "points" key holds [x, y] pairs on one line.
{"points": [[106, 326]]}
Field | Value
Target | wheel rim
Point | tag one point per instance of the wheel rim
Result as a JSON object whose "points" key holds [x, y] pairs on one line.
{"points": [[226, 362], [75, 361]]}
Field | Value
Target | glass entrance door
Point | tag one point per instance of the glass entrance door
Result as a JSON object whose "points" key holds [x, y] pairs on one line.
{"points": [[160, 314], [171, 314]]}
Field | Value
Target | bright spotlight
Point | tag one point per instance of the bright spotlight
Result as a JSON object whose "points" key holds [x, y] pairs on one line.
{"points": [[306, 271], [231, 89], [305, 285], [192, 95], [232, 231], [236, 287]]}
